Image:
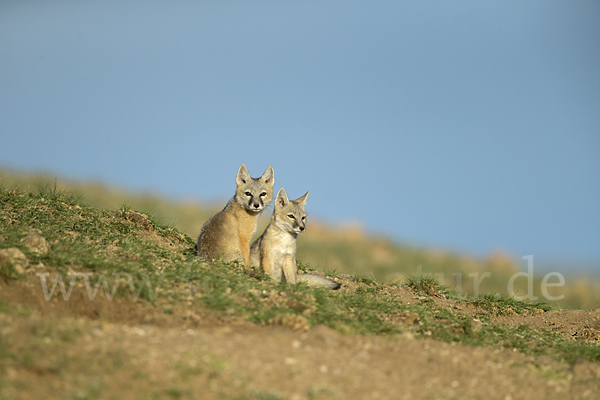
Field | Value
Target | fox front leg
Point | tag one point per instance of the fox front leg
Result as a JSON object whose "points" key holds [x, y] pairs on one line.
{"points": [[290, 269], [267, 266], [277, 273]]}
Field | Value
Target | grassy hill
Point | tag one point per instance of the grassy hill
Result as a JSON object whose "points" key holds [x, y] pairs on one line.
{"points": [[112, 303], [343, 249]]}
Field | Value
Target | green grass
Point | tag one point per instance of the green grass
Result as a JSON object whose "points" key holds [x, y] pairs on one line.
{"points": [[14, 309], [87, 239], [105, 242]]}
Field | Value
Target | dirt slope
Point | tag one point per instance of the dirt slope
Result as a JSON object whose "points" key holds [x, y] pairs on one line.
{"points": [[124, 350]]}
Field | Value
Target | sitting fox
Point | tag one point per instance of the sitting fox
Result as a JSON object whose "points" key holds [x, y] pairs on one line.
{"points": [[227, 234], [275, 250]]}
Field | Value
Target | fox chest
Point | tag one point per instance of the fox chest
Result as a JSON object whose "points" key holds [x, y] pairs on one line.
{"points": [[246, 226], [282, 248]]}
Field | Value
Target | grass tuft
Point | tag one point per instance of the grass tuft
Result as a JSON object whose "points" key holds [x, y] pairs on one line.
{"points": [[425, 286]]}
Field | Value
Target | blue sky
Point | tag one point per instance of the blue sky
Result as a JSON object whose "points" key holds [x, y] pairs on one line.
{"points": [[465, 125]]}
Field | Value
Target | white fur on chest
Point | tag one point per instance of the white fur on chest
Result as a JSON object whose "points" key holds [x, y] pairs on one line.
{"points": [[286, 244]]}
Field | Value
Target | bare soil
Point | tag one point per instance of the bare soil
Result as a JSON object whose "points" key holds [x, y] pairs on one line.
{"points": [[129, 350]]}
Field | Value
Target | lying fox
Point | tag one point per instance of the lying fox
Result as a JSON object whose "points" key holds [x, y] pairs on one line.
{"points": [[275, 250]]}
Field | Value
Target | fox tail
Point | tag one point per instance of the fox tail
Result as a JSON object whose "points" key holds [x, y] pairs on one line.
{"points": [[318, 281]]}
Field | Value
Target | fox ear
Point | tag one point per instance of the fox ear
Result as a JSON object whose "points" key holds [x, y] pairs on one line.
{"points": [[269, 176], [281, 199], [302, 200], [243, 176]]}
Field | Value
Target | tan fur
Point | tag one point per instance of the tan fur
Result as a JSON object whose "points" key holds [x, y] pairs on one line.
{"points": [[227, 234], [275, 250]]}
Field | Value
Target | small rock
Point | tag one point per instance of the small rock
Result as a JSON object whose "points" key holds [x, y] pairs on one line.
{"points": [[476, 325], [290, 361], [36, 243], [14, 257]]}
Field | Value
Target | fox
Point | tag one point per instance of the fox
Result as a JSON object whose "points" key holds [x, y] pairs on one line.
{"points": [[227, 234], [275, 250]]}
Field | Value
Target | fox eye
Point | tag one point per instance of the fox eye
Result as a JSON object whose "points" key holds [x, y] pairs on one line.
{"points": [[263, 194], [248, 194], [291, 216]]}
